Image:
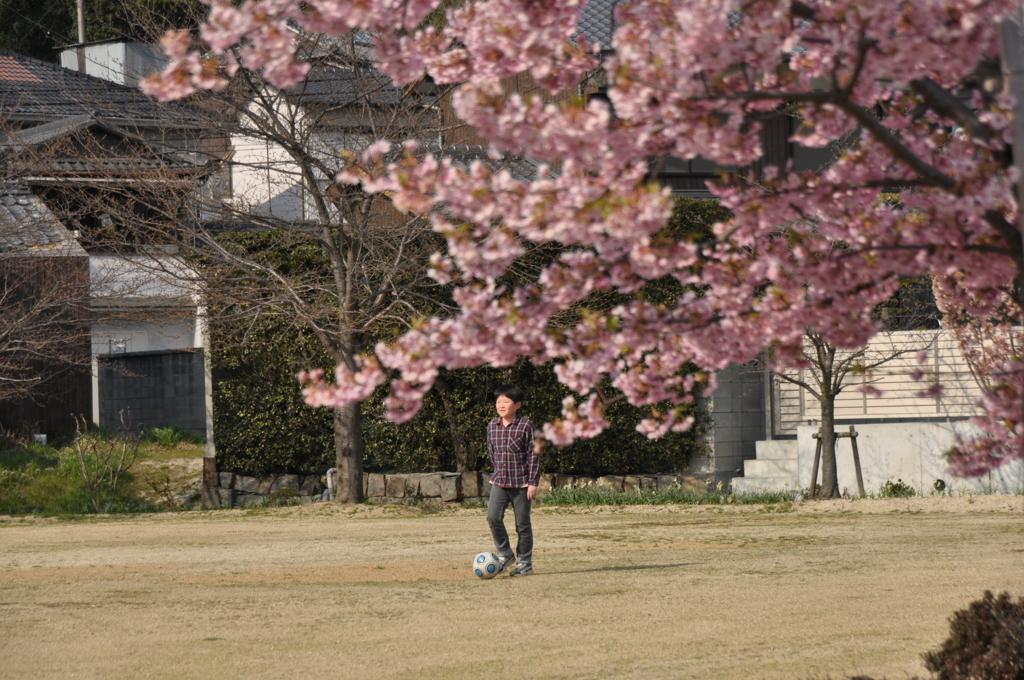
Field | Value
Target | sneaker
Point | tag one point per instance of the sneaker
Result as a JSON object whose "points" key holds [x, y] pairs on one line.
{"points": [[522, 570], [503, 563]]}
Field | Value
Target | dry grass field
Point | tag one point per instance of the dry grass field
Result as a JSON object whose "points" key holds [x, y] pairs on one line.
{"points": [[813, 590]]}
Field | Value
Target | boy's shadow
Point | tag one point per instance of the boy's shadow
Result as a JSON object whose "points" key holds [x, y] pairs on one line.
{"points": [[637, 567]]}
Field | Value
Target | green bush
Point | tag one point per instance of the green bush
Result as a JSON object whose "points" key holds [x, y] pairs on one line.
{"points": [[986, 640], [169, 437], [263, 425], [38, 479], [897, 489]]}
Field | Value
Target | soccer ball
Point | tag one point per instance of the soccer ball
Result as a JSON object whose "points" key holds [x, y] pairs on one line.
{"points": [[485, 565]]}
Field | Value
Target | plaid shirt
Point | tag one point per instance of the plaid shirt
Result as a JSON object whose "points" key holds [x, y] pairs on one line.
{"points": [[515, 462]]}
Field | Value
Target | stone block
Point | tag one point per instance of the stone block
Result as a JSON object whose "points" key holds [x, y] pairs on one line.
{"points": [[210, 498], [610, 482], [451, 487], [430, 485], [309, 485], [265, 485], [631, 483], [563, 481], [227, 480], [471, 484], [246, 500], [247, 484], [649, 482], [667, 481], [395, 485], [584, 482], [547, 483], [227, 498], [374, 485], [285, 482], [485, 485]]}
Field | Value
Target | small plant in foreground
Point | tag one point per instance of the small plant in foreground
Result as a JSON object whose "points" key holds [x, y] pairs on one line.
{"points": [[171, 436], [104, 461], [986, 641], [897, 489]]}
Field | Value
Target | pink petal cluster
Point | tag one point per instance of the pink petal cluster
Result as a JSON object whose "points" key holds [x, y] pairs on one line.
{"points": [[688, 79]]}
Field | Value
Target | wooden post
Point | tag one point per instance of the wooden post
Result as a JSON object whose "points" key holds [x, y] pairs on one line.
{"points": [[814, 469], [856, 461]]}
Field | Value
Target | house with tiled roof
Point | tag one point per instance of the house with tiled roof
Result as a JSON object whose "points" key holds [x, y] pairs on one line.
{"points": [[84, 162]]}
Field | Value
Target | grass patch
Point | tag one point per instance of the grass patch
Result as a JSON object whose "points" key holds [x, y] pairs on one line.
{"points": [[37, 479], [171, 437], [598, 496]]}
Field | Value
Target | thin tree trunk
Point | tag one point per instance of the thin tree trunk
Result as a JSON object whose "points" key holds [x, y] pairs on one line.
{"points": [[829, 473], [463, 463], [348, 446]]}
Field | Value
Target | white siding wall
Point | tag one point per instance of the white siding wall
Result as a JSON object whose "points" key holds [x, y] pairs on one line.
{"points": [[944, 365]]}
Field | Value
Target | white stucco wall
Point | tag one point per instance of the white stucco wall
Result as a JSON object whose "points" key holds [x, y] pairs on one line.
{"points": [[912, 452]]}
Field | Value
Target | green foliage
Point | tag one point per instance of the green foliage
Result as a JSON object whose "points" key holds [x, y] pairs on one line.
{"points": [[38, 479], [171, 436], [104, 462], [261, 422], [986, 640], [602, 496], [897, 489], [426, 443]]}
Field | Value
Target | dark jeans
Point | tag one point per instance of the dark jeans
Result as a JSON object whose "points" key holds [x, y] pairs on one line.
{"points": [[499, 500]]}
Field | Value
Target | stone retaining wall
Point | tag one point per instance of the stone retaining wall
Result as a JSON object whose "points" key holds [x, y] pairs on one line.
{"points": [[439, 487]]}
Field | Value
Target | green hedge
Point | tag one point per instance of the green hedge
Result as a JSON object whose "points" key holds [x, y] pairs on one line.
{"points": [[262, 425]]}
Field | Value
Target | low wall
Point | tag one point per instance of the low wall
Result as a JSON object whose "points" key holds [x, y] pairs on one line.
{"points": [[911, 452], [439, 487]]}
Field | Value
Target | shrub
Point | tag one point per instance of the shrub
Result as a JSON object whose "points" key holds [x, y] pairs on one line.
{"points": [[986, 641], [262, 424], [169, 437], [897, 489]]}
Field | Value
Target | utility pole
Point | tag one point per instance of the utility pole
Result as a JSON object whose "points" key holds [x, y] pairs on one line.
{"points": [[81, 36], [1011, 48]]}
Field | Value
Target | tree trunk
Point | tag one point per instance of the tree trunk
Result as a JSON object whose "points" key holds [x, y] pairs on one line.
{"points": [[463, 463], [348, 446], [829, 473]]}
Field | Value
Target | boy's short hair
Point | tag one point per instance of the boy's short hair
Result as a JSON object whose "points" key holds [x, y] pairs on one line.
{"points": [[512, 392]]}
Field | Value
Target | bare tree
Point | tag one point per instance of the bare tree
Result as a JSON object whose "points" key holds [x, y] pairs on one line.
{"points": [[274, 236], [831, 369], [44, 293]]}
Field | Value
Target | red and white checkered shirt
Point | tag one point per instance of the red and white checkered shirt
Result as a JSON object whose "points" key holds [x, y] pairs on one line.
{"points": [[515, 462]]}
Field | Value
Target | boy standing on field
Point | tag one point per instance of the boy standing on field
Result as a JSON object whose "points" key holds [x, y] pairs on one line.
{"points": [[516, 476]]}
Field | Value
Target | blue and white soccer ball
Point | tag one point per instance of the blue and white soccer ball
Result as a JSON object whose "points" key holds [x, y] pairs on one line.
{"points": [[485, 565]]}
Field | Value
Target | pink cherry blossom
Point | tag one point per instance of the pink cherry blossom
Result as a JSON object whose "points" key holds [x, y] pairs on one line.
{"points": [[690, 79]]}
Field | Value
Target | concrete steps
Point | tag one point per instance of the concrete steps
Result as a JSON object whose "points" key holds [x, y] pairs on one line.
{"points": [[774, 469]]}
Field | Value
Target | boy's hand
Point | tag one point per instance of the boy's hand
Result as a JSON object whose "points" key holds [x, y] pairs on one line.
{"points": [[531, 492]]}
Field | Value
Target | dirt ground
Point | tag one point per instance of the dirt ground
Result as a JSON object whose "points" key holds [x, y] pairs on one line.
{"points": [[812, 590]]}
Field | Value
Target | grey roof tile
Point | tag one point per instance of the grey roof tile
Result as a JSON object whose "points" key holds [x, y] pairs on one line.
{"points": [[38, 90], [158, 157], [28, 227], [598, 22], [520, 167]]}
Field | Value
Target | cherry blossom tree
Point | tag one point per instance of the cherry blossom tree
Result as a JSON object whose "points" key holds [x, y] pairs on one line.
{"points": [[913, 92]]}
